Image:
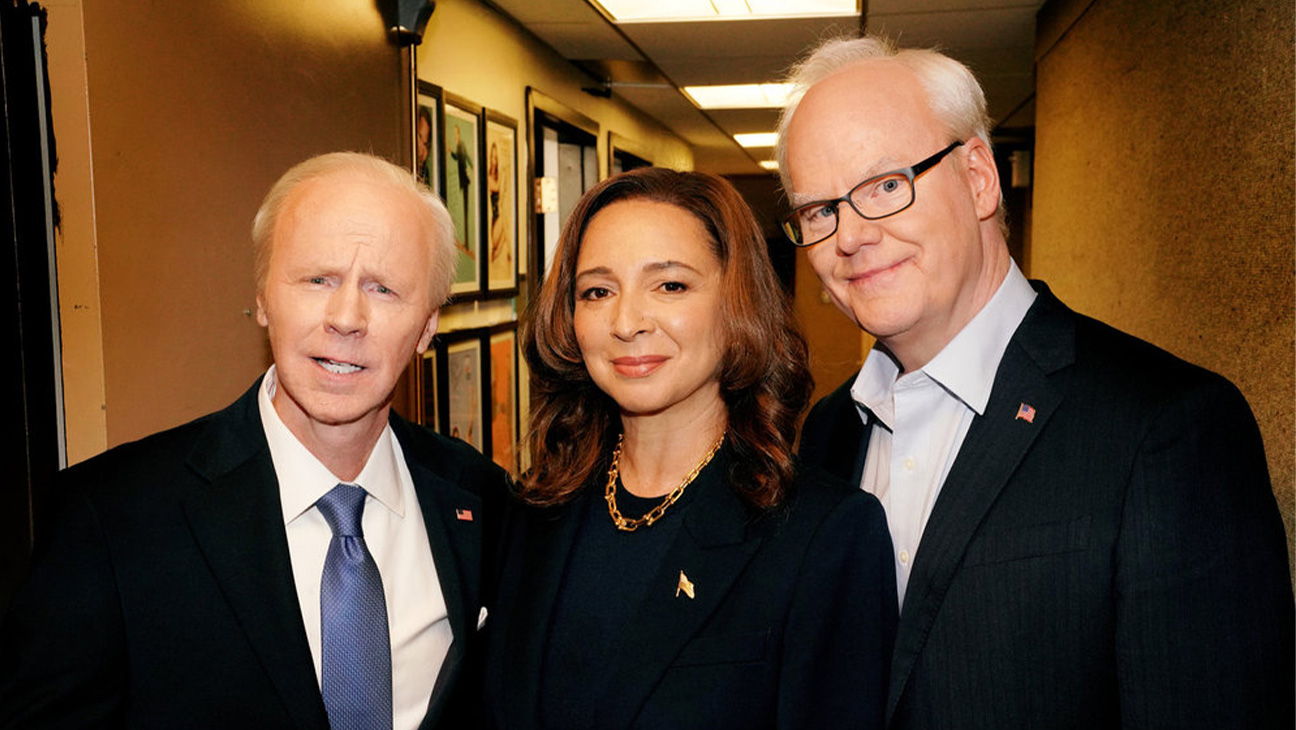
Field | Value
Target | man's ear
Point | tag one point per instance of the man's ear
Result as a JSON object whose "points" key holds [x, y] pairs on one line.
{"points": [[983, 178], [261, 317], [428, 331]]}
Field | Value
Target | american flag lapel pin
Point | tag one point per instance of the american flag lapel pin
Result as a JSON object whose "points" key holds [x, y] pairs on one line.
{"points": [[1026, 413], [463, 514], [685, 586]]}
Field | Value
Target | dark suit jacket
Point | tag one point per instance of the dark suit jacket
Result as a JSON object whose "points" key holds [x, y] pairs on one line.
{"points": [[1118, 561], [163, 596], [791, 626]]}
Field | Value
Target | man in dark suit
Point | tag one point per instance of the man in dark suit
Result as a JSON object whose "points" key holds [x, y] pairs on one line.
{"points": [[1084, 529], [208, 576]]}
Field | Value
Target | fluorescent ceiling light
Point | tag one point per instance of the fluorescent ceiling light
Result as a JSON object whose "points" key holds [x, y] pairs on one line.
{"points": [[757, 139], [658, 10], [771, 165], [739, 96]]}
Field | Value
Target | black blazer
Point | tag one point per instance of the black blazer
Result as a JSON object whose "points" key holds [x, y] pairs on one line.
{"points": [[791, 626], [1118, 561], [163, 594]]}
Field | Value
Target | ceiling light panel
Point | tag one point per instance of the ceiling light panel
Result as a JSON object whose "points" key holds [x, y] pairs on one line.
{"points": [[632, 11], [757, 139], [739, 96]]}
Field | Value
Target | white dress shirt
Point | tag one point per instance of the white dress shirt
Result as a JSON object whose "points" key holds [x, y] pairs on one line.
{"points": [[417, 619], [922, 417]]}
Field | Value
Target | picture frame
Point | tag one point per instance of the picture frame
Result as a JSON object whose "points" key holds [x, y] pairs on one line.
{"points": [[502, 354], [429, 108], [461, 178], [625, 155], [562, 163], [426, 391], [461, 388], [500, 205]]}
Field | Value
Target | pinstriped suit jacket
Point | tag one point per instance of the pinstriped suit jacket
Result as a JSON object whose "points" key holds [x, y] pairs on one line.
{"points": [[1119, 561]]}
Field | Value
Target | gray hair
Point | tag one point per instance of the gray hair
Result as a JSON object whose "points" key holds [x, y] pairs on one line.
{"points": [[442, 243], [953, 94]]}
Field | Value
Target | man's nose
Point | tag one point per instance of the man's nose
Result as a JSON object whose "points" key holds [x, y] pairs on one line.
{"points": [[348, 311], [854, 231]]}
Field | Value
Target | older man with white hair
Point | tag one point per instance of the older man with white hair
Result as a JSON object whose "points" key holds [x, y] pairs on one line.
{"points": [[1084, 530], [304, 558]]}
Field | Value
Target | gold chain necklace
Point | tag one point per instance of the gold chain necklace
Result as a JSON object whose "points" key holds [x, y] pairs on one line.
{"points": [[655, 513]]}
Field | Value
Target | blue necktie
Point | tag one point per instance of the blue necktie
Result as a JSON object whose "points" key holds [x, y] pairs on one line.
{"points": [[356, 678]]}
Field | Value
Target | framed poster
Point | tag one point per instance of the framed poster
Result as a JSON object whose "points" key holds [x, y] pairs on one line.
{"points": [[501, 226], [427, 393], [461, 141], [428, 111], [625, 155], [503, 396], [562, 163], [524, 412], [461, 388]]}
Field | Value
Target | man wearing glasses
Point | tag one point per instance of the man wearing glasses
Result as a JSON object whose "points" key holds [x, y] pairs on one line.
{"points": [[1084, 529]]}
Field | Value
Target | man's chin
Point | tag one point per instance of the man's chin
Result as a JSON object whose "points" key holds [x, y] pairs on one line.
{"points": [[332, 411]]}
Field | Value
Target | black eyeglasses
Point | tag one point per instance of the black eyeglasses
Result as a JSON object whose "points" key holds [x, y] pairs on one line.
{"points": [[877, 197]]}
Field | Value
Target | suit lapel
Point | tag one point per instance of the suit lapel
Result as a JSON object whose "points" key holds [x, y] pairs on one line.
{"points": [[457, 553], [995, 445], [712, 551], [453, 517], [238, 526]]}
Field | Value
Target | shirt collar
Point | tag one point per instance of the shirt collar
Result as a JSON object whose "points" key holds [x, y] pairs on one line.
{"points": [[303, 479], [966, 366]]}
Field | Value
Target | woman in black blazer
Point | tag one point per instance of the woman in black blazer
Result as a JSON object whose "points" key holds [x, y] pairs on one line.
{"points": [[669, 565]]}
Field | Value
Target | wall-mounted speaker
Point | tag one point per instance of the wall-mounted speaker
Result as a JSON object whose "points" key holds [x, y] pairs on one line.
{"points": [[406, 19]]}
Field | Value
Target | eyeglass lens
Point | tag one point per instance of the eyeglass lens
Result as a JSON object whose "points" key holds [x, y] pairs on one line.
{"points": [[875, 198]]}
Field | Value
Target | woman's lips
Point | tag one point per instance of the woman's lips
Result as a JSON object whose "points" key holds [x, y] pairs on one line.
{"points": [[637, 367]]}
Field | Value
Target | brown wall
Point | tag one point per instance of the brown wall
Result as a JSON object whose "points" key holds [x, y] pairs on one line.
{"points": [[193, 111], [1164, 197]]}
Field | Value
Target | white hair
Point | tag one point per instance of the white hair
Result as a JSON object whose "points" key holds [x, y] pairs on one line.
{"points": [[953, 94], [441, 245]]}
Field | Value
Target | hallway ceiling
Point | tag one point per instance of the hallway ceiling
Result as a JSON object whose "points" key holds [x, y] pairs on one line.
{"points": [[645, 64]]}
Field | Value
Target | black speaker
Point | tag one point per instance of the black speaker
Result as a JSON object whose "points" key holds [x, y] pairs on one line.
{"points": [[406, 19]]}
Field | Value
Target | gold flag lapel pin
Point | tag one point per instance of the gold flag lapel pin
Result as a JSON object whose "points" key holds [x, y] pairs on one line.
{"points": [[685, 586]]}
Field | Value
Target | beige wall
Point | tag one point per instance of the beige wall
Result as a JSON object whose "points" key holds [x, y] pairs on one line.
{"points": [[1164, 197], [172, 122]]}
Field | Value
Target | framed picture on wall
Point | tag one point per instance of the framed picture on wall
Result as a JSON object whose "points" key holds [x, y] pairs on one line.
{"points": [[428, 111], [503, 396], [501, 220], [524, 412], [461, 142], [461, 387], [427, 378], [625, 155], [562, 163]]}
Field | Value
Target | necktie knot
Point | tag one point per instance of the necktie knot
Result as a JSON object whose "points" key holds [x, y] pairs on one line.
{"points": [[342, 508]]}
